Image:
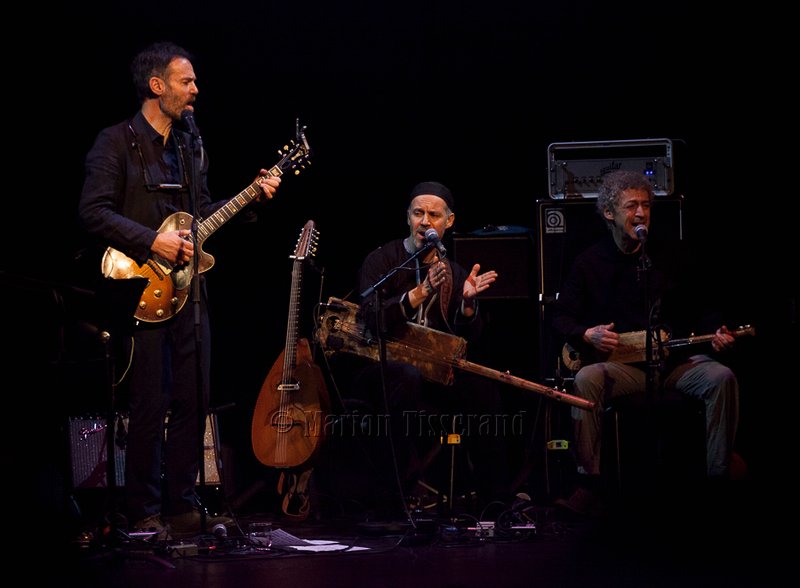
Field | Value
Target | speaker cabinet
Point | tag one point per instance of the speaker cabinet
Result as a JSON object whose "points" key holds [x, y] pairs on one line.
{"points": [[511, 256], [87, 444], [88, 453], [565, 229]]}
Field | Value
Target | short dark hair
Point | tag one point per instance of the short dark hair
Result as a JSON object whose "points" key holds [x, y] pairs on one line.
{"points": [[615, 183], [153, 61]]}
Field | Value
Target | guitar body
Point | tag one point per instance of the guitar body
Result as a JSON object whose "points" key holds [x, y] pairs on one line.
{"points": [[289, 425], [168, 285]]}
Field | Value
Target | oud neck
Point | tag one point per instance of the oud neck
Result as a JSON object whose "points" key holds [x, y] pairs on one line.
{"points": [[233, 206], [290, 354]]}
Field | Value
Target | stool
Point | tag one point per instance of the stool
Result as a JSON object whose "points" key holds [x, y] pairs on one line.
{"points": [[653, 443], [445, 470]]}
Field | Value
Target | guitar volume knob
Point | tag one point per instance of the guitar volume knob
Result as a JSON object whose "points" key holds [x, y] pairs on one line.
{"points": [[174, 301], [158, 293]]}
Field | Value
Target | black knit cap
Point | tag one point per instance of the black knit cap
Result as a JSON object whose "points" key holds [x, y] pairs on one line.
{"points": [[435, 189]]}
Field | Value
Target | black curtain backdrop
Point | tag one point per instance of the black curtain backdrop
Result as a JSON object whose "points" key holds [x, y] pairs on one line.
{"points": [[466, 93]]}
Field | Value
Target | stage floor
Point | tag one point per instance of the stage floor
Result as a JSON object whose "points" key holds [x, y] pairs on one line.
{"points": [[718, 537]]}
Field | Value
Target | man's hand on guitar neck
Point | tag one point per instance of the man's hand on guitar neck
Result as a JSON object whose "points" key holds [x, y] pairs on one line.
{"points": [[602, 337], [174, 246], [723, 339], [269, 185]]}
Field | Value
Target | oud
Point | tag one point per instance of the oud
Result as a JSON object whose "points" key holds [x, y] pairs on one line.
{"points": [[287, 427]]}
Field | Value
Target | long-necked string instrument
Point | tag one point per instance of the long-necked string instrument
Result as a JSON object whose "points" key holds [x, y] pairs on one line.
{"points": [[433, 352], [288, 421]]}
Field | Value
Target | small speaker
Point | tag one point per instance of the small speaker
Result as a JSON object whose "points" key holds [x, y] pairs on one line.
{"points": [[511, 256], [87, 442]]}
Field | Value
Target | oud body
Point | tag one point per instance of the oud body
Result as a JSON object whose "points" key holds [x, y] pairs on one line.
{"points": [[289, 418], [288, 423]]}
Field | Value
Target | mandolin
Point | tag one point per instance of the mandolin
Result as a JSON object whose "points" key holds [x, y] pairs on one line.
{"points": [[289, 418]]}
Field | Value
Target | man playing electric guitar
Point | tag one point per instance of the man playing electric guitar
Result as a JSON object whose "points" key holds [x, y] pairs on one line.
{"points": [[138, 173], [615, 287]]}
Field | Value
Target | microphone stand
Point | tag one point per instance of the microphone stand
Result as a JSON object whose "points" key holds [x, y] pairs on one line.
{"points": [[643, 271], [196, 145], [654, 365], [374, 289], [369, 291]]}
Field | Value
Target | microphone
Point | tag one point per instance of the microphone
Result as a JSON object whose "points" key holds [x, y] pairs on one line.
{"points": [[187, 117], [641, 232], [431, 236], [219, 531]]}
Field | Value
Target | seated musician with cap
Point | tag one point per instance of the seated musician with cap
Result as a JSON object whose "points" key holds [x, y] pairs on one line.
{"points": [[435, 292]]}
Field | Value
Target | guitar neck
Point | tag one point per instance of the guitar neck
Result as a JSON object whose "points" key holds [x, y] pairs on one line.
{"points": [[688, 341], [748, 330], [524, 384], [233, 206], [290, 356]]}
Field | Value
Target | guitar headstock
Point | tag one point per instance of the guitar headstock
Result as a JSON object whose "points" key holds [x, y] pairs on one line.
{"points": [[297, 153], [306, 243]]}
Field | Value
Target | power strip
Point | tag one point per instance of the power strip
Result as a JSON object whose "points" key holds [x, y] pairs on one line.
{"points": [[182, 550], [483, 529]]}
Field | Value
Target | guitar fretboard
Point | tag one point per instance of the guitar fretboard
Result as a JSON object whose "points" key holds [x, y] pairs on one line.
{"points": [[233, 206]]}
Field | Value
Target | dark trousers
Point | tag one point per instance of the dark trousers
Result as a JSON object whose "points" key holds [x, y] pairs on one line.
{"points": [[162, 466]]}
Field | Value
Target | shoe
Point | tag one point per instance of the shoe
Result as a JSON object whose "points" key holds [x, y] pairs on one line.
{"points": [[187, 524], [582, 501], [152, 524]]}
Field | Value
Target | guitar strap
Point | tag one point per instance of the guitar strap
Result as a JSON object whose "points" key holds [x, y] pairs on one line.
{"points": [[446, 289]]}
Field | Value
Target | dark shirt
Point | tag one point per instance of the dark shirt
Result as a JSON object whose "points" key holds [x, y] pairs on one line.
{"points": [[392, 292], [121, 203], [606, 285]]}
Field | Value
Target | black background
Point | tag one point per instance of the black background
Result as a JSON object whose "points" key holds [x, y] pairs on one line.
{"points": [[466, 93]]}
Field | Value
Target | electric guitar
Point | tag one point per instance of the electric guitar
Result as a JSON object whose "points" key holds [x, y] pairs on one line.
{"points": [[632, 347], [168, 284]]}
